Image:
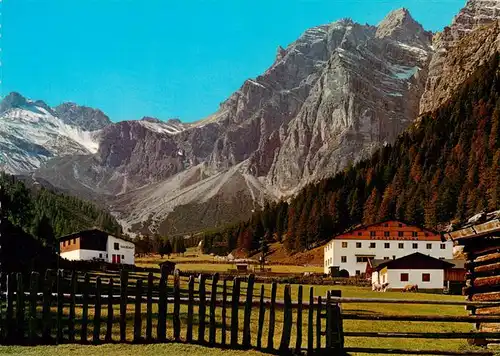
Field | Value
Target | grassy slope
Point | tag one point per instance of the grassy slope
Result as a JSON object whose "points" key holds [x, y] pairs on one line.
{"points": [[122, 350]]}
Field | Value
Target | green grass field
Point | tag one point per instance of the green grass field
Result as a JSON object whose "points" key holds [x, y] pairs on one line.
{"points": [[123, 350], [193, 260]]}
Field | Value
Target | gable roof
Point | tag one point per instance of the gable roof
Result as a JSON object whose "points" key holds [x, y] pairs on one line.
{"points": [[359, 228], [416, 260], [94, 231]]}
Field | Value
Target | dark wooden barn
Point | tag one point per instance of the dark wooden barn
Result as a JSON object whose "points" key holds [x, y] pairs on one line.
{"points": [[480, 238]]}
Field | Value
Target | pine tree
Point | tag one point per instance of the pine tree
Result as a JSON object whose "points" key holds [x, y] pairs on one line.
{"points": [[371, 208]]}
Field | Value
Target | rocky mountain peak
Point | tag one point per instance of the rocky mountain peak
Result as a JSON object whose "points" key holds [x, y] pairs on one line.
{"points": [[13, 100], [151, 119], [399, 25], [84, 117], [469, 41]]}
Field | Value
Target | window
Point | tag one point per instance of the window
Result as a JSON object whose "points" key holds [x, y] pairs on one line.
{"points": [[387, 245], [100, 255], [414, 234], [401, 245], [358, 244], [428, 246], [358, 273], [123, 257], [393, 257], [373, 233], [344, 244], [426, 277], [443, 246], [426, 234], [386, 225], [359, 233], [361, 259], [441, 258], [343, 259], [116, 246], [400, 233], [403, 277], [400, 225], [414, 245], [386, 233], [372, 244], [386, 258]]}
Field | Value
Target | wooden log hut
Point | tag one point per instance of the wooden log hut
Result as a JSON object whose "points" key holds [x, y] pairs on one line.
{"points": [[480, 239]]}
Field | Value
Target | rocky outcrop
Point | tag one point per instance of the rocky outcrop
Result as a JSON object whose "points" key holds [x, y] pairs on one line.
{"points": [[470, 41], [84, 117]]}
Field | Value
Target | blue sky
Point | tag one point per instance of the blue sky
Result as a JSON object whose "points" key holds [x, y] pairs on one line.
{"points": [[165, 58]]}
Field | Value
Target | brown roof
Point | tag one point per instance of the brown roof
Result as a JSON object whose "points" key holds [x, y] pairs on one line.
{"points": [[416, 260]]}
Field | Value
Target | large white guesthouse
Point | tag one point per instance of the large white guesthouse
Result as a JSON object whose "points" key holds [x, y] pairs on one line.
{"points": [[387, 240], [97, 245]]}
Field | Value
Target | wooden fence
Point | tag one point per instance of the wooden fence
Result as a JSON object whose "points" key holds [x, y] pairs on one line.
{"points": [[62, 307]]}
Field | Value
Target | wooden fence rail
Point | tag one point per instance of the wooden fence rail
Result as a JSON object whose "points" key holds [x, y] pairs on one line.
{"points": [[61, 307]]}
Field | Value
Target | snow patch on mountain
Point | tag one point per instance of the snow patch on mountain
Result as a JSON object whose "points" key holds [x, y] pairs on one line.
{"points": [[31, 133]]}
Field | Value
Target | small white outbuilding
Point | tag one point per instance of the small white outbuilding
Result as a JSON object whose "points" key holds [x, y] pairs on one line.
{"points": [[416, 269]]}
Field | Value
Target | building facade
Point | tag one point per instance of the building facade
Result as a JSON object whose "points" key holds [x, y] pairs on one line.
{"points": [[415, 269], [387, 240], [98, 245]]}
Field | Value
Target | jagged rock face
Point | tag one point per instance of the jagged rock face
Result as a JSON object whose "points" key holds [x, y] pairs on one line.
{"points": [[459, 49], [365, 96], [84, 117]]}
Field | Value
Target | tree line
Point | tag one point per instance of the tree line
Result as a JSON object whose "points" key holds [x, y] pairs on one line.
{"points": [[38, 210], [160, 245], [445, 167]]}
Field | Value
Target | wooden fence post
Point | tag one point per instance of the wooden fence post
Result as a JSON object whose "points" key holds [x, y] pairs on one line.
{"points": [[123, 304], [328, 332], [202, 309], [60, 306], [97, 311], [248, 311], [2, 308], [33, 302], [149, 308], [47, 297], [235, 301], [213, 300], [262, 312], [137, 313], [20, 309], [318, 324], [310, 322], [298, 343], [224, 307], [9, 315], [336, 324], [272, 317], [161, 330], [177, 306], [85, 308], [72, 301], [287, 321], [109, 326], [189, 331]]}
